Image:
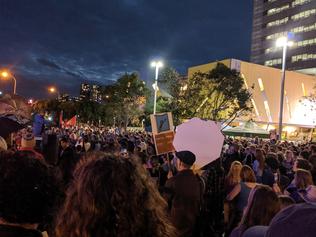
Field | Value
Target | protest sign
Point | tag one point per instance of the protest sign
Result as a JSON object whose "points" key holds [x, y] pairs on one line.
{"points": [[203, 138]]}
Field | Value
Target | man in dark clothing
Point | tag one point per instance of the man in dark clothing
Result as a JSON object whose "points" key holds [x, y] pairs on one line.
{"points": [[184, 192], [67, 160]]}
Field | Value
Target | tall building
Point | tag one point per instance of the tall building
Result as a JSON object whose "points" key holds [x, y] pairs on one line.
{"points": [[85, 91], [90, 92], [275, 18]]}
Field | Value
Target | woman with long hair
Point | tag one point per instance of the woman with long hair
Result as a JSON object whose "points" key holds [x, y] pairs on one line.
{"points": [[263, 205], [240, 194], [302, 180], [112, 196], [233, 176]]}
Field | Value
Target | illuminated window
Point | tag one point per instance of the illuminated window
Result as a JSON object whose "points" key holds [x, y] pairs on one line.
{"points": [[260, 84], [303, 89], [267, 108], [272, 62], [300, 2], [303, 57], [276, 35], [255, 107], [304, 14], [278, 22], [278, 10]]}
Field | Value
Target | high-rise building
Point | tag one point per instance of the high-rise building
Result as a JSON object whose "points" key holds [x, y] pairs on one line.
{"points": [[85, 91], [90, 92], [275, 18]]}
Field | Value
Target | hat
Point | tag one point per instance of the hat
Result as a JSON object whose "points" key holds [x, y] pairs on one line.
{"points": [[187, 157], [295, 220], [3, 144], [309, 194], [28, 139]]}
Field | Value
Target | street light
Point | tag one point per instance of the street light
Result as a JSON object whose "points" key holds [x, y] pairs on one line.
{"points": [[7, 75], [282, 42], [53, 90], [156, 65]]}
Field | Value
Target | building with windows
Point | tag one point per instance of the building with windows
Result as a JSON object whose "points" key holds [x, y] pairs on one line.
{"points": [[276, 18], [90, 92], [266, 94]]}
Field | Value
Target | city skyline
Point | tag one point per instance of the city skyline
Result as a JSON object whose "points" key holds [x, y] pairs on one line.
{"points": [[68, 43]]}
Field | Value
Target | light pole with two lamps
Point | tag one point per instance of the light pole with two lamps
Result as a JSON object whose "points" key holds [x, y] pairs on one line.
{"points": [[7, 75], [156, 65], [283, 42]]}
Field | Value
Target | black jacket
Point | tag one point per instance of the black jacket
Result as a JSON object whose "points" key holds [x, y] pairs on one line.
{"points": [[15, 231], [184, 192]]}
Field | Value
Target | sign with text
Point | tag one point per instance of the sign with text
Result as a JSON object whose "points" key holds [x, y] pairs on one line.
{"points": [[164, 142]]}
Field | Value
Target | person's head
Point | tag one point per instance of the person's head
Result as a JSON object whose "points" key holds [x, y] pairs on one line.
{"points": [[28, 140], [304, 154], [289, 156], [28, 190], [263, 205], [247, 174], [185, 160], [286, 201], [253, 149], [272, 161], [112, 196], [260, 158], [303, 178], [302, 164], [64, 142], [234, 172]]}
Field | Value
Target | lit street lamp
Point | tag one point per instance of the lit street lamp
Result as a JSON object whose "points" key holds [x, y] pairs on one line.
{"points": [[156, 65], [283, 42], [53, 90], [7, 75]]}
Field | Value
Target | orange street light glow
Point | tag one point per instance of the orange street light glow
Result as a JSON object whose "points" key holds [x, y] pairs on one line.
{"points": [[52, 89], [4, 74]]}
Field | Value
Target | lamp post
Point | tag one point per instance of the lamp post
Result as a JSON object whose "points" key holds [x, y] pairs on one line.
{"points": [[156, 65], [282, 42], [6, 75]]}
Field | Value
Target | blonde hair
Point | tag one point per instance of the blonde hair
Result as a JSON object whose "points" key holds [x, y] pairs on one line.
{"points": [[233, 176]]}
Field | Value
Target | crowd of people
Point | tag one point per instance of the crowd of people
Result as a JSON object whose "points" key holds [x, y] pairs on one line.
{"points": [[92, 181]]}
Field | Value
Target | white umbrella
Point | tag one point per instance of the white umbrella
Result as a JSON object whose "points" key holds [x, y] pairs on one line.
{"points": [[203, 138]]}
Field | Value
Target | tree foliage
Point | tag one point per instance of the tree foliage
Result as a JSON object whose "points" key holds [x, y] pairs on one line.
{"points": [[217, 95]]}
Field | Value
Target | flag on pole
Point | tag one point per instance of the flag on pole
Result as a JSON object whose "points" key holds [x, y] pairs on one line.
{"points": [[72, 121], [61, 122]]}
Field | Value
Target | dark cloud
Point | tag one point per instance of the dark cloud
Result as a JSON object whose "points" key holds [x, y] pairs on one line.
{"points": [[66, 42], [48, 63]]}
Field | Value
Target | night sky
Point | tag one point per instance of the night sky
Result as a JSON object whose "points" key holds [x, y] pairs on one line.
{"points": [[66, 42]]}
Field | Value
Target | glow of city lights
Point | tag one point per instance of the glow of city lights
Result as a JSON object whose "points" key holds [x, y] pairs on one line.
{"points": [[30, 101], [50, 118]]}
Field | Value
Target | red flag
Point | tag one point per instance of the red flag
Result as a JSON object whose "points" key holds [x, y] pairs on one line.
{"points": [[72, 121], [61, 122]]}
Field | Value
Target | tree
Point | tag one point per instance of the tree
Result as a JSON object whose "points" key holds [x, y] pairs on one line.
{"points": [[125, 99], [170, 84], [217, 95]]}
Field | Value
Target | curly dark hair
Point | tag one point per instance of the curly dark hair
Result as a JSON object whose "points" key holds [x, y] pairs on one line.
{"points": [[28, 189], [112, 196]]}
